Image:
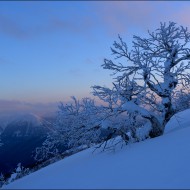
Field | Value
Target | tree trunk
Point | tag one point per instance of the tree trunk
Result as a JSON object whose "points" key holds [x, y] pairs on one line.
{"points": [[157, 127]]}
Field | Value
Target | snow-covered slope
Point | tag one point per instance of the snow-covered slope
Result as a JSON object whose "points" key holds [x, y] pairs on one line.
{"points": [[161, 162], [178, 121]]}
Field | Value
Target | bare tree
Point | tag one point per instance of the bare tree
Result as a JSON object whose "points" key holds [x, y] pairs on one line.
{"points": [[149, 75]]}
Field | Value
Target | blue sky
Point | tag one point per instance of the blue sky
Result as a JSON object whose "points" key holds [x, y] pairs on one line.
{"points": [[50, 51]]}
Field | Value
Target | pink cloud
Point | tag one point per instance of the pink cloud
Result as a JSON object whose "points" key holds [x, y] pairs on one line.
{"points": [[76, 24], [118, 16], [73, 24], [182, 16], [112, 16]]}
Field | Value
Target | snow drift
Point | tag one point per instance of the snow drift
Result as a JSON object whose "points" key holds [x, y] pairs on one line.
{"points": [[162, 162]]}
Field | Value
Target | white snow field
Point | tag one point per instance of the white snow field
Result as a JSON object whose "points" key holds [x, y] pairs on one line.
{"points": [[162, 162]]}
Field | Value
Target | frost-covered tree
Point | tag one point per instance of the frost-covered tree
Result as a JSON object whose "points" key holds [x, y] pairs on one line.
{"points": [[149, 75], [114, 115], [76, 127], [79, 122], [19, 172], [51, 147], [182, 100]]}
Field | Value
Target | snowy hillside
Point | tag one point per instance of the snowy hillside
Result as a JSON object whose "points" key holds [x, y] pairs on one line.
{"points": [[161, 162]]}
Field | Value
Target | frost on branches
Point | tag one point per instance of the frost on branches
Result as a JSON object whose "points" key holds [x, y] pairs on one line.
{"points": [[79, 122], [150, 81], [53, 146], [19, 172], [76, 128], [148, 76]]}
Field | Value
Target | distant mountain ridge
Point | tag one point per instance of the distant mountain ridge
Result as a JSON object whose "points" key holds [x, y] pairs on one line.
{"points": [[27, 125], [23, 133]]}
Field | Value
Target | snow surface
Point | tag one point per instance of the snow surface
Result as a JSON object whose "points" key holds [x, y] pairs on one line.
{"points": [[132, 107], [161, 162], [180, 120]]}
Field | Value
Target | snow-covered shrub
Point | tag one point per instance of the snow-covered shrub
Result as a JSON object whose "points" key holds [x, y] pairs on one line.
{"points": [[47, 150], [79, 122], [19, 172]]}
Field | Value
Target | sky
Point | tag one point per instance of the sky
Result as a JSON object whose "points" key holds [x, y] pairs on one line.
{"points": [[50, 50]]}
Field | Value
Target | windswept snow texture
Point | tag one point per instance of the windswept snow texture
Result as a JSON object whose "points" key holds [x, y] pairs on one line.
{"points": [[161, 162]]}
